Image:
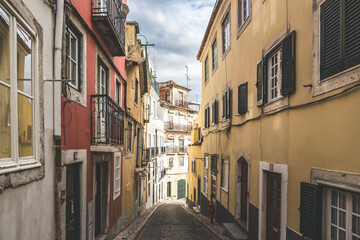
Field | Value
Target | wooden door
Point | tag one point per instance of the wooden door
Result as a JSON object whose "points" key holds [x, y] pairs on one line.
{"points": [[273, 206], [244, 190], [72, 202], [181, 189], [198, 191], [169, 189]]}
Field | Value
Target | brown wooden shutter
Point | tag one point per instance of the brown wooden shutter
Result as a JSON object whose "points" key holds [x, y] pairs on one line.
{"points": [[352, 33], [216, 111], [330, 55], [243, 98], [288, 65], [259, 83]]}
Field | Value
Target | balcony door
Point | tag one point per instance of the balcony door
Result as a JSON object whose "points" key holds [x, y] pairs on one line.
{"points": [[102, 90], [273, 206]]}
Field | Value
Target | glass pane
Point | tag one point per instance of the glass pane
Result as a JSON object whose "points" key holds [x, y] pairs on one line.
{"points": [[5, 146], [334, 198], [73, 47], [25, 126], [24, 61], [342, 200], [4, 47], [73, 73], [356, 204], [333, 233], [356, 225], [342, 235], [342, 219], [333, 216]]}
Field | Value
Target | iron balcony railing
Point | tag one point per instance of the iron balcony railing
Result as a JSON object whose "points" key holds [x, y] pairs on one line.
{"points": [[185, 127], [107, 121], [154, 151], [106, 15], [176, 149], [181, 103]]}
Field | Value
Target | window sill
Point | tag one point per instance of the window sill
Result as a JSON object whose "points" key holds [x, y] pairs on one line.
{"points": [[13, 167], [226, 52], [336, 81], [243, 26], [225, 123], [224, 189], [214, 127], [276, 104]]}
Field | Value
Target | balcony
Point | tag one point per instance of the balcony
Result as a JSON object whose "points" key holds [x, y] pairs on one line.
{"points": [[183, 127], [107, 121], [176, 149], [181, 103], [106, 16]]}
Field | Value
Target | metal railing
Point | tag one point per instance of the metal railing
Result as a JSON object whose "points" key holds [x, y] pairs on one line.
{"points": [[176, 149], [107, 121], [112, 10], [180, 103], [186, 127]]}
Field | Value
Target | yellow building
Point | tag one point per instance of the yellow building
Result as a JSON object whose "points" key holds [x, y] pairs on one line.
{"points": [[134, 175], [279, 118]]}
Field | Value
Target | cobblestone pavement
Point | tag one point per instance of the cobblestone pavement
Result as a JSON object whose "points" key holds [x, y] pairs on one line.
{"points": [[172, 221]]}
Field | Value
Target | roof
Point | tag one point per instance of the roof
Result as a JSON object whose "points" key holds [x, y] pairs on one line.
{"points": [[210, 24], [171, 83]]}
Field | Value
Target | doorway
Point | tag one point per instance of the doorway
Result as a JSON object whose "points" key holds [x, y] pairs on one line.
{"points": [[198, 191], [273, 206], [242, 191], [168, 189], [73, 201], [101, 198], [181, 189]]}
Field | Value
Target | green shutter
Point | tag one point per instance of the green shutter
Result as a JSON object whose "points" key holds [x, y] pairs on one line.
{"points": [[243, 98], [331, 39], [310, 210], [352, 33], [259, 83], [288, 65]]}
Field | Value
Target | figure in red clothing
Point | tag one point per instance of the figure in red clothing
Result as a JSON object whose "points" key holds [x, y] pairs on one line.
{"points": [[211, 209]]}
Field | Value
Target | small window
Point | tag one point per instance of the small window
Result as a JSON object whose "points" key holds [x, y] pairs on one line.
{"points": [[243, 11], [181, 161], [118, 90], [129, 137], [73, 55], [206, 69], [274, 75], [205, 185], [171, 162], [226, 104], [214, 55], [207, 117], [117, 174], [181, 146], [214, 109], [243, 98], [225, 174], [226, 33], [136, 91]]}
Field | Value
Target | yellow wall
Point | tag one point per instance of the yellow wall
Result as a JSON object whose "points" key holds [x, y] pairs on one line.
{"points": [[321, 136]]}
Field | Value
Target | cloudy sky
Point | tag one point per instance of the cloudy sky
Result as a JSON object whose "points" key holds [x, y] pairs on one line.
{"points": [[176, 28]]}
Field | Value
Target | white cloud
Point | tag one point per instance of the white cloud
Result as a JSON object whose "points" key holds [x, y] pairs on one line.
{"points": [[177, 29]]}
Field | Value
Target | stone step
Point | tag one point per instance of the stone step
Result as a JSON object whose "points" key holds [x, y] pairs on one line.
{"points": [[196, 209], [235, 231]]}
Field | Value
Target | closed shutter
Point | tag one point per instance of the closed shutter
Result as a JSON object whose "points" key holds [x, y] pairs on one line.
{"points": [[223, 106], [213, 112], [310, 210], [259, 83], [352, 33], [216, 111], [228, 115], [243, 98], [288, 65], [330, 57]]}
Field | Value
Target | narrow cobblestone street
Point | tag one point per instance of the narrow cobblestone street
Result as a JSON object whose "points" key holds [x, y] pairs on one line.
{"points": [[171, 221]]}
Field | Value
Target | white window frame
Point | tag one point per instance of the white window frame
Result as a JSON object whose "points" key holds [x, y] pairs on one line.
{"points": [[214, 57], [76, 60], [206, 161], [225, 167], [117, 167], [118, 92], [226, 33], [15, 162], [277, 55], [348, 213], [205, 179]]}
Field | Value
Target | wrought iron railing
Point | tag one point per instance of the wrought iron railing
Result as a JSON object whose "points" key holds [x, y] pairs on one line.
{"points": [[111, 9], [107, 121], [181, 103], [176, 149], [186, 127]]}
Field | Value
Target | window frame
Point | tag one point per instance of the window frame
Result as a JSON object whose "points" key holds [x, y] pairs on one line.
{"points": [[118, 92], [205, 185], [214, 56], [206, 69], [226, 38], [226, 104], [136, 90], [181, 162], [225, 172], [117, 192], [215, 112], [78, 37], [129, 137], [15, 162], [276, 51]]}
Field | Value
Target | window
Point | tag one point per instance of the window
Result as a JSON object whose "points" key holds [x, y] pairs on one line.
{"points": [[181, 146], [214, 163], [206, 161], [206, 69], [243, 98], [214, 109], [226, 101], [225, 174], [73, 57], [342, 215], [181, 161], [339, 36], [171, 162], [118, 97], [243, 11], [129, 137], [136, 91], [207, 117], [226, 33], [17, 95], [117, 172], [214, 55], [170, 147], [193, 167], [205, 185], [276, 72]]}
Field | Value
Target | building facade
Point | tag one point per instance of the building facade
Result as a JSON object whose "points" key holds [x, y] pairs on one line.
{"points": [[178, 120], [279, 118]]}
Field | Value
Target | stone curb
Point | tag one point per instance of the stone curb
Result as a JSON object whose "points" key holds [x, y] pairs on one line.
{"points": [[199, 220], [144, 223]]}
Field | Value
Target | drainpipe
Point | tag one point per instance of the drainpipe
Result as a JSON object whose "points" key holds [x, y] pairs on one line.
{"points": [[58, 30]]}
